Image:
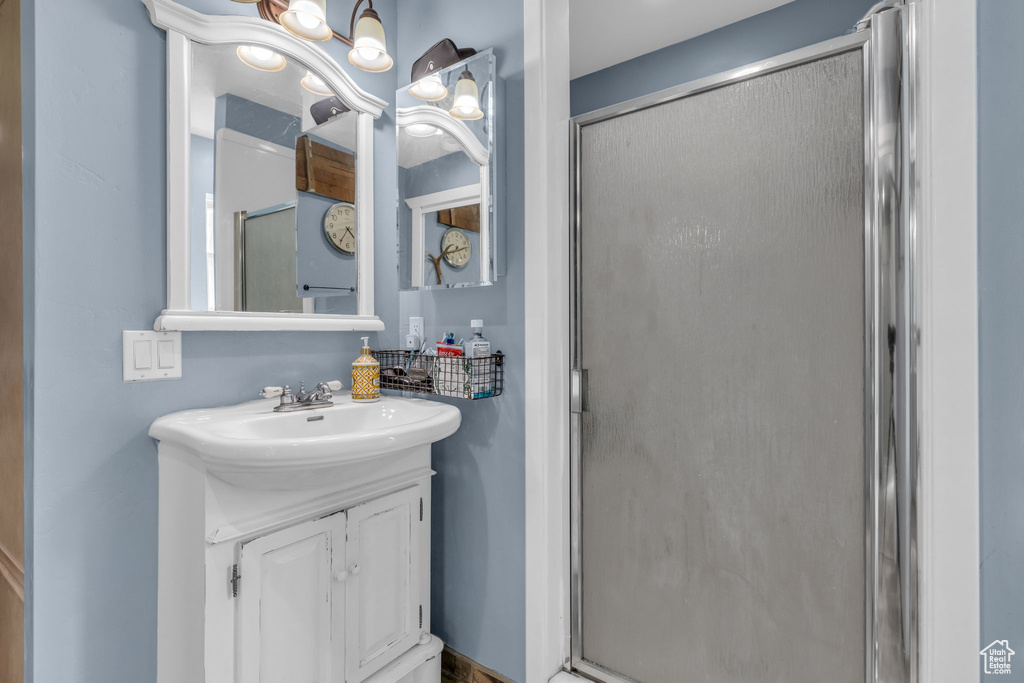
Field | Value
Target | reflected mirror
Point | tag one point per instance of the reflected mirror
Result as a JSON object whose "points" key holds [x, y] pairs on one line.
{"points": [[446, 177], [272, 186]]}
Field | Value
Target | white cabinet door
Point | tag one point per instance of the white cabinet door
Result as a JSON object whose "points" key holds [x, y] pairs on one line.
{"points": [[382, 591], [291, 605]]}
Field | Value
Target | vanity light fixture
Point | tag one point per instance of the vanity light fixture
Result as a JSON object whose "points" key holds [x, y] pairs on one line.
{"points": [[260, 58], [308, 19], [426, 77], [467, 99], [315, 84]]}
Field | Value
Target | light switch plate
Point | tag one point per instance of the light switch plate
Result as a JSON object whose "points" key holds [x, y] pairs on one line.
{"points": [[151, 356]]}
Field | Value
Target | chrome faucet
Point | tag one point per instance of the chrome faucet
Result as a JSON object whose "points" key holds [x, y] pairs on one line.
{"points": [[320, 396]]}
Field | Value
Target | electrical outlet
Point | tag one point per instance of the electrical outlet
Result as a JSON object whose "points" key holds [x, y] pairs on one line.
{"points": [[416, 327]]}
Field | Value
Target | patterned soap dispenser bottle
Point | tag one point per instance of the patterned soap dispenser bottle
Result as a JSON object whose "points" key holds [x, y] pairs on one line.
{"points": [[366, 376]]}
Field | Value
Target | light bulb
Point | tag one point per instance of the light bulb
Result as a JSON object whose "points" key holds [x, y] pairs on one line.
{"points": [[368, 53], [260, 58], [307, 20], [430, 89]]}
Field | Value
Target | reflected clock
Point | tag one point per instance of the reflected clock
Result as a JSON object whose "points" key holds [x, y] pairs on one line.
{"points": [[340, 227], [456, 248]]}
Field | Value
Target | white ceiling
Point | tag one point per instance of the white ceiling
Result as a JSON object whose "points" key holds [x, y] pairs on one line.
{"points": [[607, 32]]}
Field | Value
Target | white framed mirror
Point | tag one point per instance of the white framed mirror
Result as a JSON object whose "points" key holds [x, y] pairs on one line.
{"points": [[447, 171], [269, 179]]}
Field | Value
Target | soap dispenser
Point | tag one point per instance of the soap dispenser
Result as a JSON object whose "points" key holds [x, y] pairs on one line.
{"points": [[366, 376]]}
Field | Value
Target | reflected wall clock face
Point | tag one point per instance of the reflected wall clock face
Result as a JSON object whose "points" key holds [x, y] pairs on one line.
{"points": [[340, 227], [456, 248]]}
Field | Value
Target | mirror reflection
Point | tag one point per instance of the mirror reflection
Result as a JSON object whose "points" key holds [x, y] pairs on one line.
{"points": [[446, 172], [272, 186]]}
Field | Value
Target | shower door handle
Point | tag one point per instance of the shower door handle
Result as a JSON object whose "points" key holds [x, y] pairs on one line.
{"points": [[579, 390]]}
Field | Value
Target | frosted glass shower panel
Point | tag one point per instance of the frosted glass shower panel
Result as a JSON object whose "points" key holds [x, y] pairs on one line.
{"points": [[722, 318]]}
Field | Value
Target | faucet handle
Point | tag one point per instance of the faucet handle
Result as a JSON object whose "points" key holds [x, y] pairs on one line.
{"points": [[284, 392], [334, 385]]}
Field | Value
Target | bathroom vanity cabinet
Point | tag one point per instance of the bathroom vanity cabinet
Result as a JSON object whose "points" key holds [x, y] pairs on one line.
{"points": [[296, 546], [327, 585], [334, 594]]}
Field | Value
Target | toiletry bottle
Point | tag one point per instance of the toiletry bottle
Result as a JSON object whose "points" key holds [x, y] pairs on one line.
{"points": [[478, 347], [366, 376]]}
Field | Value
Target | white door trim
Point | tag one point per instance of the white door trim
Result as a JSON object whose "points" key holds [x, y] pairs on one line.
{"points": [[948, 308], [546, 101], [948, 299]]}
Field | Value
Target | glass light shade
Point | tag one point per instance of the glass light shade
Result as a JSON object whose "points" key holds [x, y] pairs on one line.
{"points": [[260, 58], [429, 88], [315, 84], [467, 99], [422, 130], [307, 19], [369, 51]]}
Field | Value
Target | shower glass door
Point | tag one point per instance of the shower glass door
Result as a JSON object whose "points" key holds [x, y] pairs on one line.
{"points": [[735, 349]]}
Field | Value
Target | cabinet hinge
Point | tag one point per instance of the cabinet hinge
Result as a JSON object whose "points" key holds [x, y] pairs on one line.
{"points": [[421, 616], [421, 509], [236, 580]]}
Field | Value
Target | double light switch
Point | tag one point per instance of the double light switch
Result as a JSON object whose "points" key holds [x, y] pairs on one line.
{"points": [[150, 355]]}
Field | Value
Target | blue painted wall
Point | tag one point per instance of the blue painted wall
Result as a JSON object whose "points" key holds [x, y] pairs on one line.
{"points": [[433, 232], [478, 591], [318, 263], [1001, 303], [785, 28], [95, 259]]}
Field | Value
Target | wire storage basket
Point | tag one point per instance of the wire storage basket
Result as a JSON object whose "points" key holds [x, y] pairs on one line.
{"points": [[458, 376]]}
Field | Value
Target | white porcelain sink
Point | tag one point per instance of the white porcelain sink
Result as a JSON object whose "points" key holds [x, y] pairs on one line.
{"points": [[252, 446]]}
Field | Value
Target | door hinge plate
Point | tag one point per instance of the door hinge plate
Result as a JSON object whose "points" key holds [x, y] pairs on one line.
{"points": [[235, 580]]}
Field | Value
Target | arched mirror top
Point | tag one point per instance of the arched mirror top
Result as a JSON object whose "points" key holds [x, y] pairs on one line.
{"points": [[407, 118], [224, 30]]}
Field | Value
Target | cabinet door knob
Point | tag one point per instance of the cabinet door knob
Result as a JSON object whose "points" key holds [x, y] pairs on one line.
{"points": [[354, 569], [341, 576]]}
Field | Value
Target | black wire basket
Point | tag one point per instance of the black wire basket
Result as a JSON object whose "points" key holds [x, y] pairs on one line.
{"points": [[457, 376]]}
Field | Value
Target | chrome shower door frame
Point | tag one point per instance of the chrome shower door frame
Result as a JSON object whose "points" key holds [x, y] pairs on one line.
{"points": [[885, 37]]}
